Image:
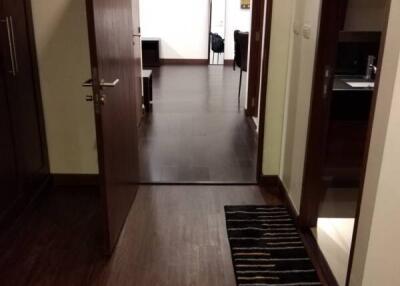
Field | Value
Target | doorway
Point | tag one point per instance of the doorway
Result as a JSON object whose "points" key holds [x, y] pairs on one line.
{"points": [[198, 128], [345, 87]]}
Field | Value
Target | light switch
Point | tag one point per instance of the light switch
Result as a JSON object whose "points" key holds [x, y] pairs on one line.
{"points": [[307, 31]]}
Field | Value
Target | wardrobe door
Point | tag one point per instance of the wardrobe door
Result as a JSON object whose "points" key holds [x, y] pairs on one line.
{"points": [[24, 101], [9, 192]]}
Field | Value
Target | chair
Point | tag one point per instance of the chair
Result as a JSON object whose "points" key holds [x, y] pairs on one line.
{"points": [[217, 45], [241, 54]]}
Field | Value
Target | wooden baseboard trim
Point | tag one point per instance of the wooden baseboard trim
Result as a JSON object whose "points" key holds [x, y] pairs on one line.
{"points": [[273, 182], [75, 180], [184, 62], [269, 181], [228, 62]]}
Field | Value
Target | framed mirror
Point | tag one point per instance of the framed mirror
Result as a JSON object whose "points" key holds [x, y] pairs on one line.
{"points": [[217, 32]]}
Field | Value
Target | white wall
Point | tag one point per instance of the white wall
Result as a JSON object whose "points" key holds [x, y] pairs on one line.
{"points": [[376, 257], [64, 63], [182, 25], [236, 19]]}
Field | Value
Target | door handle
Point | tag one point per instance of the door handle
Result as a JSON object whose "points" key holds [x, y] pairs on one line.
{"points": [[89, 83], [137, 35], [11, 44]]}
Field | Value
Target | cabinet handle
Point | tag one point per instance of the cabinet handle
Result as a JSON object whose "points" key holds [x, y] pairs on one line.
{"points": [[14, 46], [11, 45]]}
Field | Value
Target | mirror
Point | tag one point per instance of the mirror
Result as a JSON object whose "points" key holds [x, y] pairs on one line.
{"points": [[217, 32]]}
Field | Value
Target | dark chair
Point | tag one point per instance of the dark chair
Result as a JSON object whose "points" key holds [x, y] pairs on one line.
{"points": [[217, 45], [241, 52]]}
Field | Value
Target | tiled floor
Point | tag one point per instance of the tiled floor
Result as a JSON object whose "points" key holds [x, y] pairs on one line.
{"points": [[197, 130]]}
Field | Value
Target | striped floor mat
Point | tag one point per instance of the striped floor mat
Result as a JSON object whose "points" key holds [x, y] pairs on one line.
{"points": [[266, 247]]}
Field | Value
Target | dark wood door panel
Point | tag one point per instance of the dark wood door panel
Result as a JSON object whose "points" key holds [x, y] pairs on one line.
{"points": [[24, 162], [113, 57], [8, 176], [22, 95]]}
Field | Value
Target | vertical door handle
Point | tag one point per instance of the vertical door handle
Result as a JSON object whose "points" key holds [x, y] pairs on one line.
{"points": [[11, 44]]}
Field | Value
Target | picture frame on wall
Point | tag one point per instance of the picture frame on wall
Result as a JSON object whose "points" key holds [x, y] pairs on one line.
{"points": [[245, 4]]}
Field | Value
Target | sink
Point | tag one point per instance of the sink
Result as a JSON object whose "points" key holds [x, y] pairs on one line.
{"points": [[365, 84]]}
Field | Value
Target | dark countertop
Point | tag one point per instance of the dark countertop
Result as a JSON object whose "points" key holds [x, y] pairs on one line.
{"points": [[339, 84]]}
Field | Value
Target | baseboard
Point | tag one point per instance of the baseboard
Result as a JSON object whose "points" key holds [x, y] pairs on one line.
{"points": [[228, 62], [184, 61], [273, 182], [75, 180], [269, 181]]}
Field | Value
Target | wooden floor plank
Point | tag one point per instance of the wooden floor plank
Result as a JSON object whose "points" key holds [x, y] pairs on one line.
{"points": [[174, 235]]}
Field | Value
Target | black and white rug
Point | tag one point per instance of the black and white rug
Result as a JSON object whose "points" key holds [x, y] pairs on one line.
{"points": [[266, 248]]}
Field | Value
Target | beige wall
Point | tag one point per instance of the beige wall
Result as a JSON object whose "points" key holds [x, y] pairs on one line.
{"points": [[281, 32], [365, 15], [377, 260], [298, 97], [63, 55]]}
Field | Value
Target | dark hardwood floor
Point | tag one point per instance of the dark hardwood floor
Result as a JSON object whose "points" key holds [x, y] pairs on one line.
{"points": [[174, 235], [197, 131]]}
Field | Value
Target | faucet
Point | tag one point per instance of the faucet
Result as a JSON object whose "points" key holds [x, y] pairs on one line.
{"points": [[371, 68]]}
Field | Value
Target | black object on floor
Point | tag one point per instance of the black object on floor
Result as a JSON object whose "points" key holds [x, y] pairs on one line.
{"points": [[266, 247]]}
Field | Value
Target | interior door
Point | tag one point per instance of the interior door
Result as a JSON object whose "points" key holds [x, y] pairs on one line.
{"points": [[113, 60], [8, 175]]}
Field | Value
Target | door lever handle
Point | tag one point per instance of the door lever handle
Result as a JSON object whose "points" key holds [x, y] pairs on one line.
{"points": [[109, 84], [11, 42], [89, 83]]}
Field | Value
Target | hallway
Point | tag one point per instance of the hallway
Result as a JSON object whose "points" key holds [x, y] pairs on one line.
{"points": [[197, 132]]}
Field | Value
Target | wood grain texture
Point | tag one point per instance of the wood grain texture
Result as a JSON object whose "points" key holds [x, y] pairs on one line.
{"points": [[254, 68], [113, 56], [197, 132], [174, 235], [184, 62], [24, 160]]}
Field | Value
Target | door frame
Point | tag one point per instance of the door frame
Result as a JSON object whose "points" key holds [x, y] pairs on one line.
{"points": [[308, 214], [263, 85], [255, 66], [368, 141], [45, 172], [332, 19]]}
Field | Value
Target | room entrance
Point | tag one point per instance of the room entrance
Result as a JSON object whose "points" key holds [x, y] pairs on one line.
{"points": [[200, 120]]}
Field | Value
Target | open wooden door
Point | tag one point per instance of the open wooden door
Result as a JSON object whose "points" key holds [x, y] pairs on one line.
{"points": [[114, 74]]}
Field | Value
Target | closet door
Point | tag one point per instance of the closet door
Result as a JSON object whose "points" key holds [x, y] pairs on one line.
{"points": [[8, 177], [24, 101]]}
